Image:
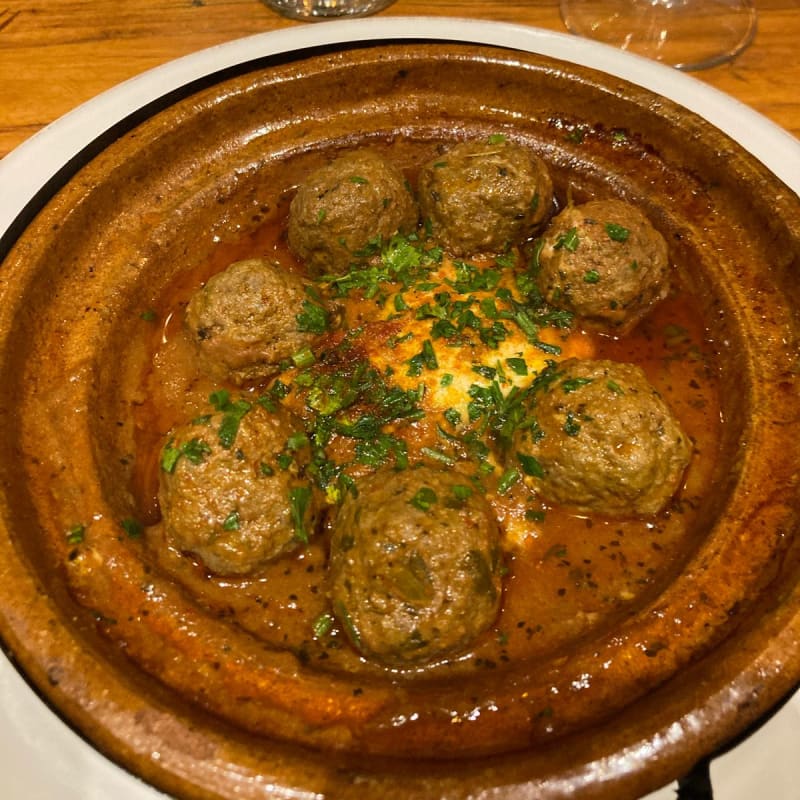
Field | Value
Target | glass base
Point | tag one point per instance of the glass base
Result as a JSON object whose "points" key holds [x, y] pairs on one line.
{"points": [[310, 10], [687, 34]]}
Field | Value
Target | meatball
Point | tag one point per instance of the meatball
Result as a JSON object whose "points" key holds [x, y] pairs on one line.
{"points": [[604, 262], [604, 440], [234, 496], [481, 197], [414, 565], [249, 318], [346, 206]]}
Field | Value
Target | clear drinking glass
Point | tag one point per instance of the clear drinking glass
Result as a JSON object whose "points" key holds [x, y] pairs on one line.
{"points": [[311, 10], [688, 34]]}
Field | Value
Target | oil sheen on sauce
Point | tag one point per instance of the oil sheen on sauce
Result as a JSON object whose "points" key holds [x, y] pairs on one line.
{"points": [[567, 574]]}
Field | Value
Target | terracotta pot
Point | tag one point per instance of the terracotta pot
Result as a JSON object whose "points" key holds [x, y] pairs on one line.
{"points": [[183, 696]]}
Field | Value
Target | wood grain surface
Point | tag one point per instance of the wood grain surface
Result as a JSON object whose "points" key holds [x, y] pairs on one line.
{"points": [[55, 54]]}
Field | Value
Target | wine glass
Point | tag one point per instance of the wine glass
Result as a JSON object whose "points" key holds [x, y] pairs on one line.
{"points": [[688, 34]]}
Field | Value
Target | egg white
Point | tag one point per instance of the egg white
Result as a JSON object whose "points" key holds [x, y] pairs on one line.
{"points": [[462, 361]]}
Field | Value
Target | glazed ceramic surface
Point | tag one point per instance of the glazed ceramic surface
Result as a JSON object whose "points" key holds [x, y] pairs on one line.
{"points": [[195, 183]]}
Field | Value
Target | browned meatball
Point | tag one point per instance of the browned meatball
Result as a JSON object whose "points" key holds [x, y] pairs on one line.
{"points": [[414, 565], [234, 496], [249, 318], [355, 201], [604, 440], [481, 197], [604, 262]]}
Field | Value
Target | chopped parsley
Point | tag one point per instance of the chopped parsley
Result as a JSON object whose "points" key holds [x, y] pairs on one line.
{"points": [[518, 366], [232, 413], [347, 622], [376, 452], [571, 385], [571, 425], [297, 441], [530, 465], [453, 416], [313, 318], [591, 276], [402, 263], [76, 534], [577, 134], [426, 358], [132, 527], [323, 624], [490, 373], [304, 357], [569, 240], [195, 451], [438, 455], [507, 480], [424, 499], [231, 522], [461, 491], [470, 278], [229, 426], [617, 233], [299, 499]]}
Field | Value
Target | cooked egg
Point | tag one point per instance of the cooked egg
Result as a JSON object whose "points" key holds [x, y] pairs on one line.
{"points": [[464, 326], [457, 340]]}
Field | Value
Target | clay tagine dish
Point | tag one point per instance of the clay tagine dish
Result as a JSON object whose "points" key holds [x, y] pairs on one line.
{"points": [[408, 421]]}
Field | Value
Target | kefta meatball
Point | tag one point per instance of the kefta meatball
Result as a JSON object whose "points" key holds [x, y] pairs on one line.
{"points": [[249, 318], [343, 208], [481, 197], [604, 440], [231, 491], [604, 262], [414, 565]]}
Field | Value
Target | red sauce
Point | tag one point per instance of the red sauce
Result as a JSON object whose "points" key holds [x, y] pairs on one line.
{"points": [[572, 574]]}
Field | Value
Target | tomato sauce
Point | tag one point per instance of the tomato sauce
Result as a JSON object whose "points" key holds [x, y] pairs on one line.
{"points": [[567, 574]]}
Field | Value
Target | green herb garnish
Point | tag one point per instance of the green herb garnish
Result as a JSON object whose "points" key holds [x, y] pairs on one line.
{"points": [[322, 624], [517, 365], [76, 534], [231, 522], [424, 499], [299, 499], [571, 385], [568, 240], [507, 480], [195, 451], [132, 527], [312, 318], [530, 465], [591, 276], [571, 425], [617, 233]]}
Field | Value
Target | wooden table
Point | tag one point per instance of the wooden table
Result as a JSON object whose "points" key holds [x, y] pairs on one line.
{"points": [[58, 53]]}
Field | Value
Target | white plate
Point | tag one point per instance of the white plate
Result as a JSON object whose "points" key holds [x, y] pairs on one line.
{"points": [[41, 758]]}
